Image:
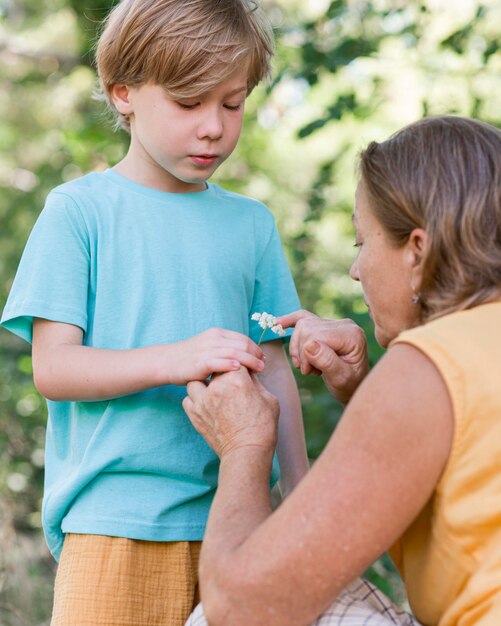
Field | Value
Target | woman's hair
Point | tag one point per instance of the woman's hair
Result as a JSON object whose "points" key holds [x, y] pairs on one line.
{"points": [[443, 174], [187, 46]]}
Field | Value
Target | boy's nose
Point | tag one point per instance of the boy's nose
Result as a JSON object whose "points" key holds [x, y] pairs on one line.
{"points": [[211, 125]]}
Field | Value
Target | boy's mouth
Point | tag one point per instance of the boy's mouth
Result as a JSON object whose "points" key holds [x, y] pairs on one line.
{"points": [[203, 159]]}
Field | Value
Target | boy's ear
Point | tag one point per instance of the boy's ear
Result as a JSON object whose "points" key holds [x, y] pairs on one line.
{"points": [[120, 94]]}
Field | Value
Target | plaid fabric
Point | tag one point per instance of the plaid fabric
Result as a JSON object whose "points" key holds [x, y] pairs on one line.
{"points": [[359, 604]]}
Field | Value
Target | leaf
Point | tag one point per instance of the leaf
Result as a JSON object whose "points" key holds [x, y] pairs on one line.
{"points": [[344, 104]]}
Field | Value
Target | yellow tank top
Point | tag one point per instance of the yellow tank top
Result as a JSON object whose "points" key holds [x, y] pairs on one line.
{"points": [[450, 556]]}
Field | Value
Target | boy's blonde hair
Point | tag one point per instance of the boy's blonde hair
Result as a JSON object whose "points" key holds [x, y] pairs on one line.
{"points": [[443, 174], [187, 46]]}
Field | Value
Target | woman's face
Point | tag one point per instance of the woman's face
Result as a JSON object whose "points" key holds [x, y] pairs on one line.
{"points": [[385, 272]]}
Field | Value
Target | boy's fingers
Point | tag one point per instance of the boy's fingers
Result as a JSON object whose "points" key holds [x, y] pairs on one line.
{"points": [[257, 365], [221, 365], [252, 347], [243, 342], [233, 363]]}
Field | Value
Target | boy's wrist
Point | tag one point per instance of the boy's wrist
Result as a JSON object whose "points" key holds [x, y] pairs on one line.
{"points": [[162, 365]]}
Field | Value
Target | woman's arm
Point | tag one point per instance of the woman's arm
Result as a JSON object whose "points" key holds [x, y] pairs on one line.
{"points": [[64, 369], [375, 475], [278, 379]]}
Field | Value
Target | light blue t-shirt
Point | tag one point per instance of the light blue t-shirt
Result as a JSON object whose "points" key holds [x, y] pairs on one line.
{"points": [[133, 267]]}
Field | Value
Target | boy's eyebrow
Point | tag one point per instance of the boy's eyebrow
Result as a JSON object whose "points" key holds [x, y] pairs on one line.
{"points": [[237, 90], [227, 94]]}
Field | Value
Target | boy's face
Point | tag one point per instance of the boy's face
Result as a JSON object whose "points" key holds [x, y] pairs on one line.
{"points": [[176, 145]]}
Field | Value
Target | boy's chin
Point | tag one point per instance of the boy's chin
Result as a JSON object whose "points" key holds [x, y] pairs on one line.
{"points": [[202, 180], [192, 184], [195, 180]]}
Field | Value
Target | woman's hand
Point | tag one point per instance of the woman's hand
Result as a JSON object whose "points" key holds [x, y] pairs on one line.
{"points": [[232, 412], [335, 349]]}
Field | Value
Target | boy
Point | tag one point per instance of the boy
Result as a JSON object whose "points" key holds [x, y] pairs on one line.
{"points": [[134, 282]]}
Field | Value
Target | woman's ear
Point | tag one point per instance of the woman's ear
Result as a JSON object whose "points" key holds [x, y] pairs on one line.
{"points": [[120, 95], [417, 250]]}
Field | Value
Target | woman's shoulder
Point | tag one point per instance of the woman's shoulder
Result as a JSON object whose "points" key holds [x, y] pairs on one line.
{"points": [[463, 345], [460, 329], [465, 349]]}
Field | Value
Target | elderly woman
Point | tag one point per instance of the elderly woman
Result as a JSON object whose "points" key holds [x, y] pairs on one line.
{"points": [[415, 463]]}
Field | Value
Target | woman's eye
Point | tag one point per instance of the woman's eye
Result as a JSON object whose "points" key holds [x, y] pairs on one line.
{"points": [[357, 244]]}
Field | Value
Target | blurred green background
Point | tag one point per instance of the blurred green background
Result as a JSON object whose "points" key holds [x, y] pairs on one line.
{"points": [[346, 72]]}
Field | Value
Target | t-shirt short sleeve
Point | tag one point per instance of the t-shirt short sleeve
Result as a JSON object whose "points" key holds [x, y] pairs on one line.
{"points": [[52, 280], [274, 292]]}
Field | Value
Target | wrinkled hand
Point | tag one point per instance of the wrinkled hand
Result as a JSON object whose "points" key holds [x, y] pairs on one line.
{"points": [[214, 350], [335, 349], [233, 411]]}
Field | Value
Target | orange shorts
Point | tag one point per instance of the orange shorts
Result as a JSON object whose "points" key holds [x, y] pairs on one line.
{"points": [[112, 581]]}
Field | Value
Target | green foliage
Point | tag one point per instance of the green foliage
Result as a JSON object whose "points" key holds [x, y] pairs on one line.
{"points": [[347, 71], [370, 68]]}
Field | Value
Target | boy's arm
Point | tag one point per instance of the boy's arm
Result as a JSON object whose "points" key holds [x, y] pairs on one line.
{"points": [[278, 378], [64, 369]]}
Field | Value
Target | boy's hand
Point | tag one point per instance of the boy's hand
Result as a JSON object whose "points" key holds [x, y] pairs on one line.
{"points": [[212, 351], [335, 349]]}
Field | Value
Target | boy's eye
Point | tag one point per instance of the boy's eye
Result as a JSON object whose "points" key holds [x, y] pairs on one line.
{"points": [[188, 105], [233, 107], [357, 244]]}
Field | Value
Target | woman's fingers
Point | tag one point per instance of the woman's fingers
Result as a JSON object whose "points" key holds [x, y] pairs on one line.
{"points": [[308, 328], [337, 349], [291, 319], [234, 410], [304, 323], [323, 358], [196, 390]]}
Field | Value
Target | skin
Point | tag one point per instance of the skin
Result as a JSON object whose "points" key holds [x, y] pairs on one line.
{"points": [[171, 142], [389, 274], [66, 370], [376, 474], [277, 378], [167, 139], [334, 349], [168, 136]]}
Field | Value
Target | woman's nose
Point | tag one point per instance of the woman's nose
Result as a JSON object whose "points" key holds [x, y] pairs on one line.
{"points": [[354, 270]]}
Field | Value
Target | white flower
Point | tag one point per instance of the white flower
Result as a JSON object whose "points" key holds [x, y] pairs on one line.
{"points": [[265, 320]]}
